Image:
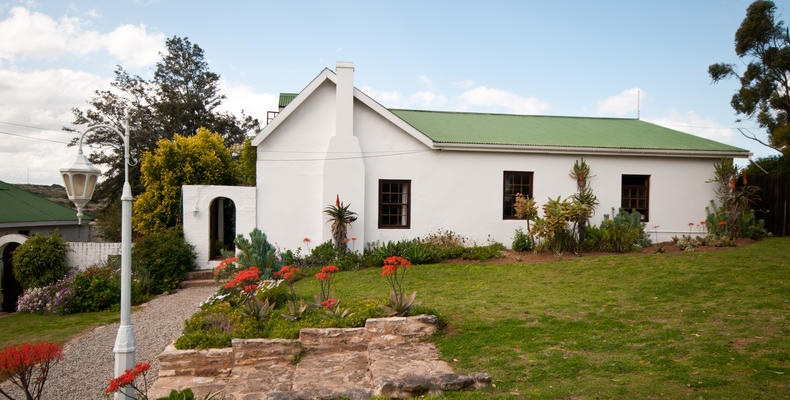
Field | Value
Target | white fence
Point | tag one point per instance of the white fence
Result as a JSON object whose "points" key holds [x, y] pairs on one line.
{"points": [[82, 255]]}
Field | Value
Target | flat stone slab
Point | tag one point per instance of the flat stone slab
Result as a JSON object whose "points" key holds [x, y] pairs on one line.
{"points": [[335, 372]]}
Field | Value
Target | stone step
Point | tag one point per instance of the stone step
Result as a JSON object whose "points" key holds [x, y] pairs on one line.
{"points": [[200, 274], [197, 283]]}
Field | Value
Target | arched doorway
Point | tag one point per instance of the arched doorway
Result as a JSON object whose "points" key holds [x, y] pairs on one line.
{"points": [[222, 226], [11, 289]]}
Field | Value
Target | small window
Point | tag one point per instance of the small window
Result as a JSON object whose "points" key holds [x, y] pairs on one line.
{"points": [[515, 182], [636, 195], [394, 203]]}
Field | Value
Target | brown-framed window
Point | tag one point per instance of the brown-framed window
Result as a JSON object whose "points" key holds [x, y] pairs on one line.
{"points": [[514, 182], [636, 195], [394, 204]]}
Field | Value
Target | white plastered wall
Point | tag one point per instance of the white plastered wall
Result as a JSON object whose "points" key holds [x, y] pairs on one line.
{"points": [[456, 190], [196, 202]]}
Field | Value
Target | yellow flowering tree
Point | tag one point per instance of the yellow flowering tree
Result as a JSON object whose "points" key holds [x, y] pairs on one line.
{"points": [[201, 159]]}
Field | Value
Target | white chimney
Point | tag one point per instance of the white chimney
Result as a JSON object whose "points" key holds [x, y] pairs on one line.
{"points": [[345, 99]]}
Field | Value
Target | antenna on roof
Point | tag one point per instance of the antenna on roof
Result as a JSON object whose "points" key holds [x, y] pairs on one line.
{"points": [[637, 103]]}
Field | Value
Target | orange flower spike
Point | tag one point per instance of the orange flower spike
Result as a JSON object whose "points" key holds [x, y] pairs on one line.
{"points": [[337, 200], [345, 240], [723, 223], [288, 275]]}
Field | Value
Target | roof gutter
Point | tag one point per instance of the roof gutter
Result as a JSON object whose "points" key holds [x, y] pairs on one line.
{"points": [[36, 223], [603, 151]]}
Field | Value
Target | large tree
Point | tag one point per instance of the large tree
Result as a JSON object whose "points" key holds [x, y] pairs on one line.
{"points": [[186, 160], [763, 43], [182, 96]]}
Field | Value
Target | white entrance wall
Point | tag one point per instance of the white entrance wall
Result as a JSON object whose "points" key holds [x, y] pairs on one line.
{"points": [[196, 202]]}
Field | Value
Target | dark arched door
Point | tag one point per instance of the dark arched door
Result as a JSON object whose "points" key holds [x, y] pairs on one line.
{"points": [[222, 226], [11, 288]]}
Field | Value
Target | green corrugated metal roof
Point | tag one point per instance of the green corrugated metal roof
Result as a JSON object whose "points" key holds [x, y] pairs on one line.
{"points": [[17, 205], [286, 98], [509, 129]]}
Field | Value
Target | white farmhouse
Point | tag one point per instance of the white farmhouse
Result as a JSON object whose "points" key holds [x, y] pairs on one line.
{"points": [[408, 173]]}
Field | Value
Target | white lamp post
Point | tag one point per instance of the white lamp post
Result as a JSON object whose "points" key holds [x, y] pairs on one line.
{"points": [[80, 180]]}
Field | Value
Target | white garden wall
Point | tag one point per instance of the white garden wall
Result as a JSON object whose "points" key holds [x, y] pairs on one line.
{"points": [[196, 202], [82, 255]]}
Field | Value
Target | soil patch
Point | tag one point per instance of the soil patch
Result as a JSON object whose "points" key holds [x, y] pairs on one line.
{"points": [[528, 257]]}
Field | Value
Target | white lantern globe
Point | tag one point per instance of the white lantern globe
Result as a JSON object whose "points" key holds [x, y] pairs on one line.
{"points": [[80, 180]]}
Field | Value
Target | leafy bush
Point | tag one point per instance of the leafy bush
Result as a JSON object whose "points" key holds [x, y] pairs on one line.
{"points": [[481, 253], [687, 243], [622, 233], [162, 260], [718, 218], [323, 254], [257, 252], [447, 244], [40, 261], [421, 253], [522, 241], [56, 298], [96, 289]]}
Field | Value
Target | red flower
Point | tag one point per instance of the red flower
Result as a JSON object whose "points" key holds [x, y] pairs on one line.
{"points": [[723, 223], [337, 200], [288, 275], [329, 303], [20, 359], [127, 378], [345, 240], [353, 238], [703, 223], [656, 227], [250, 288], [306, 240], [244, 277], [282, 270], [323, 276], [691, 224], [329, 269]]}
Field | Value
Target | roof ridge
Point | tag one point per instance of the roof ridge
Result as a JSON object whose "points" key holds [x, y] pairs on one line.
{"points": [[516, 115]]}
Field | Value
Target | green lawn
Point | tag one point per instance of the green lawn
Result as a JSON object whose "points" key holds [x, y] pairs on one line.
{"points": [[24, 327], [695, 325]]}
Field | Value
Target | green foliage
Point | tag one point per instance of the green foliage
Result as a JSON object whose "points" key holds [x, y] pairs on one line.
{"points": [[583, 202], [687, 244], [773, 164], [323, 254], [162, 260], [522, 241], [257, 252], [421, 253], [182, 97], [247, 161], [96, 289], [199, 159], [553, 227], [341, 217], [40, 261], [447, 243], [621, 234], [187, 394], [763, 45], [718, 220], [481, 253]]}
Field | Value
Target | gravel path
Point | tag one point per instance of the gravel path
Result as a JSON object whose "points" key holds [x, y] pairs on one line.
{"points": [[88, 360]]}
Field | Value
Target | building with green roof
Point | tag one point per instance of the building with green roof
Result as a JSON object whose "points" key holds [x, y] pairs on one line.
{"points": [[408, 173]]}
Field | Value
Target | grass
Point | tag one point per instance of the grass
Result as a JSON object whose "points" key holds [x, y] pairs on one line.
{"points": [[24, 327], [688, 325]]}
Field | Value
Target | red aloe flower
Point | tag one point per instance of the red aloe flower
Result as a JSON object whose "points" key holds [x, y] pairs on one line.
{"points": [[306, 240], [323, 276], [329, 269], [329, 303], [127, 378], [723, 223]]}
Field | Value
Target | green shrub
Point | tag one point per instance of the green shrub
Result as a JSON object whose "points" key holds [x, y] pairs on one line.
{"points": [[447, 243], [522, 241], [421, 253], [161, 260], [257, 252], [481, 253], [323, 254], [96, 289], [40, 261], [623, 233]]}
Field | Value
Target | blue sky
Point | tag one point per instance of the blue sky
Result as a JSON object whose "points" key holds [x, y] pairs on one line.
{"points": [[559, 58]]}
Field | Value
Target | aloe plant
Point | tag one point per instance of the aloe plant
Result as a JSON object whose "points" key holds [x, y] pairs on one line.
{"points": [[341, 218]]}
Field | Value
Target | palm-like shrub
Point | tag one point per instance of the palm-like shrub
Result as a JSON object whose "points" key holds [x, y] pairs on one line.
{"points": [[341, 216]]}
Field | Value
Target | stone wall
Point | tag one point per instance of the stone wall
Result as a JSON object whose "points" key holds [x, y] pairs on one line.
{"points": [[389, 357]]}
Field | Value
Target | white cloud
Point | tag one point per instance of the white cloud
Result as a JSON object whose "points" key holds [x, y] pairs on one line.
{"points": [[623, 103], [466, 84], [37, 35], [501, 100], [425, 79], [692, 122], [426, 99], [387, 99], [40, 99], [242, 97]]}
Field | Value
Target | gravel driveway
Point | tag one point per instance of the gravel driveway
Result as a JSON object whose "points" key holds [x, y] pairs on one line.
{"points": [[88, 360]]}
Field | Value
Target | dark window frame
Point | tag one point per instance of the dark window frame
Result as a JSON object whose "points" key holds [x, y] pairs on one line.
{"points": [[381, 204], [512, 196], [627, 198]]}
